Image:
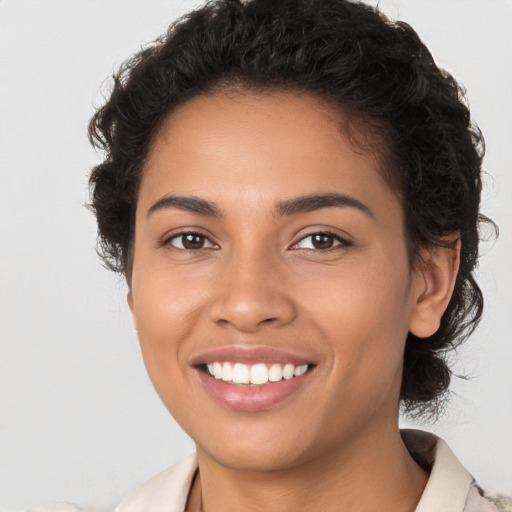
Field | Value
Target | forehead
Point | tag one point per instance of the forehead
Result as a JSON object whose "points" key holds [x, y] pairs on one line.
{"points": [[259, 146], [278, 122]]}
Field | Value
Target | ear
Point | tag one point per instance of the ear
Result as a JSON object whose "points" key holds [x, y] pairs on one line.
{"points": [[129, 300], [433, 287]]}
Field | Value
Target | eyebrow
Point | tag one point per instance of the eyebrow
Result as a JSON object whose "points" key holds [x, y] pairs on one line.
{"points": [[318, 201], [189, 204], [294, 206]]}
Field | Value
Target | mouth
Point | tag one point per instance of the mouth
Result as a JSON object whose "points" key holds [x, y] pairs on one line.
{"points": [[258, 374], [251, 379]]}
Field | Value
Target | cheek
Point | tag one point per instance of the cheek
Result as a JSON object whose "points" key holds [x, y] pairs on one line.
{"points": [[164, 301], [166, 311], [362, 298], [365, 317]]}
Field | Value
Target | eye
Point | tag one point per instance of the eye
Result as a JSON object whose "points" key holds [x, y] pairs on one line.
{"points": [[190, 241], [322, 241]]}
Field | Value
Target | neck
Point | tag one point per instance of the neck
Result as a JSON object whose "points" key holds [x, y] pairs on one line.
{"points": [[371, 471]]}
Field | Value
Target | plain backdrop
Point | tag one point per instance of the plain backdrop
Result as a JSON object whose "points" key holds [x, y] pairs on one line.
{"points": [[79, 420]]}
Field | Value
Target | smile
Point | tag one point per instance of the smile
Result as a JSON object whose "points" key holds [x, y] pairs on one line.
{"points": [[256, 374], [252, 379]]}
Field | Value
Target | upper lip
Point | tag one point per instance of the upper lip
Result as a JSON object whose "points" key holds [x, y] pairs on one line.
{"points": [[249, 355]]}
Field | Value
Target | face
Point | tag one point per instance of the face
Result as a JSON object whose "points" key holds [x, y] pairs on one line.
{"points": [[271, 288]]}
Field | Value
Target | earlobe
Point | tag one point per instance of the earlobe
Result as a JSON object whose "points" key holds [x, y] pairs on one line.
{"points": [[434, 284], [129, 300]]}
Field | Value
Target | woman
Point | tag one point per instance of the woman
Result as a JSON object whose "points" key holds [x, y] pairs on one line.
{"points": [[291, 190]]}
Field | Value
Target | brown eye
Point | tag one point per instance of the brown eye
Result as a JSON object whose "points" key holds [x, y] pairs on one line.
{"points": [[321, 241], [193, 241], [190, 241]]}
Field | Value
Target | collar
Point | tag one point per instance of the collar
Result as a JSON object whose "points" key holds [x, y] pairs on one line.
{"points": [[166, 491], [446, 490], [449, 482]]}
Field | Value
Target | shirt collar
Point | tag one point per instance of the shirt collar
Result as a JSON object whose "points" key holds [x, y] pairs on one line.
{"points": [[446, 491], [448, 485]]}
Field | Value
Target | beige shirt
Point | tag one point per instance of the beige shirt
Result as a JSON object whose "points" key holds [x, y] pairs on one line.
{"points": [[450, 487]]}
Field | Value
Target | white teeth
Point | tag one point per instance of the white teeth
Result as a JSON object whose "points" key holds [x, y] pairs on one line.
{"points": [[275, 373], [217, 370], [300, 370], [227, 372], [257, 374], [288, 371], [240, 374]]}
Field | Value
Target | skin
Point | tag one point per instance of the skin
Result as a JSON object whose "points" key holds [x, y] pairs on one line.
{"points": [[334, 444]]}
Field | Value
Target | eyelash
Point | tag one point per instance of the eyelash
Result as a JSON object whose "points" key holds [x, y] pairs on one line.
{"points": [[342, 242], [168, 241]]}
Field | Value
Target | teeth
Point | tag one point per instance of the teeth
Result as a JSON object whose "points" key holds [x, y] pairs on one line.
{"points": [[257, 374], [275, 373], [227, 372], [288, 371], [240, 373], [217, 370], [300, 370]]}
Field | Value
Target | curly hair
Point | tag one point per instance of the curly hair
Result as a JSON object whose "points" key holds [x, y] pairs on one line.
{"points": [[350, 54]]}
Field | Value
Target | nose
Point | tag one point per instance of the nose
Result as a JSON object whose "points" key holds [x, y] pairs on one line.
{"points": [[253, 294]]}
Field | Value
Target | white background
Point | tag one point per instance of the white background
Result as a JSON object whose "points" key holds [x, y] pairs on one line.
{"points": [[79, 420]]}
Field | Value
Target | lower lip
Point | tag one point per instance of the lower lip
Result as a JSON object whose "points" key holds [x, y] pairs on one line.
{"points": [[240, 397]]}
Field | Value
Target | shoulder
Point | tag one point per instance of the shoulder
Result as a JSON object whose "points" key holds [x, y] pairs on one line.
{"points": [[450, 486], [166, 491], [479, 501]]}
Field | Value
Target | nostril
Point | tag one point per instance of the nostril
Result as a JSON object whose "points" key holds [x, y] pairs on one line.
{"points": [[248, 309]]}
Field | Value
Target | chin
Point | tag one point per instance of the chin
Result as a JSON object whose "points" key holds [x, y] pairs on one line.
{"points": [[260, 446], [254, 458]]}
